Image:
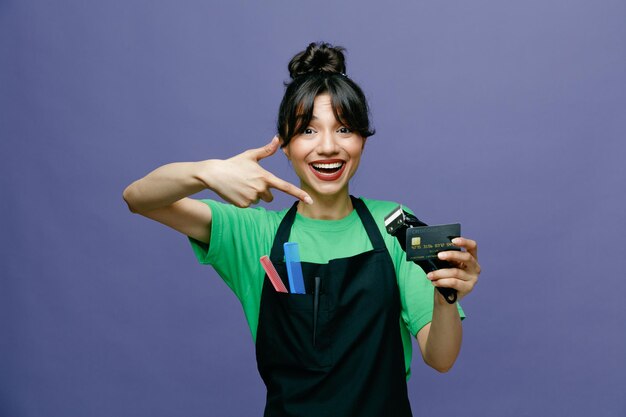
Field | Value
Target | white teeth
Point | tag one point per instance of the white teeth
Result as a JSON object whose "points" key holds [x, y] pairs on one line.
{"points": [[334, 165]]}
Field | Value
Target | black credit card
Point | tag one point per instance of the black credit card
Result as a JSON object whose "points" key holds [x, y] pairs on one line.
{"points": [[424, 242]]}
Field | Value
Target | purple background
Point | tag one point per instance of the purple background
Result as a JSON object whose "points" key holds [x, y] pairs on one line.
{"points": [[506, 116]]}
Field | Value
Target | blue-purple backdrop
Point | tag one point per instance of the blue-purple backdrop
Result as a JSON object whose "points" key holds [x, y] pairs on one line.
{"points": [[506, 116]]}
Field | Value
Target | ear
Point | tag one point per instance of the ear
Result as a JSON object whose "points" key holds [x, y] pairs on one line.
{"points": [[285, 149]]}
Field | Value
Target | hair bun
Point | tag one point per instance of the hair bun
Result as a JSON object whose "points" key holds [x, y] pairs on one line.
{"points": [[318, 57]]}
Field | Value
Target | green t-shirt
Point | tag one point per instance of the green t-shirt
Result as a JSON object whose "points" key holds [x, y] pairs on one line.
{"points": [[239, 237]]}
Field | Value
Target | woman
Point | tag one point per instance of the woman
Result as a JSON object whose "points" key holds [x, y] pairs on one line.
{"points": [[354, 359]]}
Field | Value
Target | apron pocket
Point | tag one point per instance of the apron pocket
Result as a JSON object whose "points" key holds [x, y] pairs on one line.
{"points": [[291, 332]]}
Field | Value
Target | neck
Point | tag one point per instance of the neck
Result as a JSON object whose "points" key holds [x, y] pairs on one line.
{"points": [[327, 207]]}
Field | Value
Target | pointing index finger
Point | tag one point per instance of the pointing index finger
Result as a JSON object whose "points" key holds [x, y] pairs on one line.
{"points": [[289, 188]]}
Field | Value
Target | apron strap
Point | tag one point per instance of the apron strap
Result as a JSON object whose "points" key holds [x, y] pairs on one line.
{"points": [[369, 223], [282, 234]]}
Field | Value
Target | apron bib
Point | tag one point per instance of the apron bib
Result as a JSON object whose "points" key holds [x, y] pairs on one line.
{"points": [[354, 363]]}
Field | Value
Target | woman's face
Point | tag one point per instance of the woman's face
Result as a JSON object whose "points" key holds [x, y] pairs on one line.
{"points": [[327, 154]]}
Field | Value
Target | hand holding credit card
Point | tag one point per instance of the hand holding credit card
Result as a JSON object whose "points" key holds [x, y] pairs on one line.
{"points": [[422, 243]]}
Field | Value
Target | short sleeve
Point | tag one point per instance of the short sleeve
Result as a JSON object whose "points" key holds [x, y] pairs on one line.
{"points": [[239, 237], [417, 297]]}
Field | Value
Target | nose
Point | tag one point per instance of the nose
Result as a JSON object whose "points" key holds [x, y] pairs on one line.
{"points": [[328, 144]]}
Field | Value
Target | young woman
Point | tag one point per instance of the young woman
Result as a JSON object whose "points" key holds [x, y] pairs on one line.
{"points": [[350, 355]]}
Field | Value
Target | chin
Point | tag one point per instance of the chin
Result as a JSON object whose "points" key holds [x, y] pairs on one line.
{"points": [[329, 190]]}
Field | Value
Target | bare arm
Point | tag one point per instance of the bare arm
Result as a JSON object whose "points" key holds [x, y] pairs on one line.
{"points": [[162, 195], [440, 340]]}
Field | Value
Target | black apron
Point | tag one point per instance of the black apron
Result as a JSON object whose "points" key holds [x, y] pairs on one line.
{"points": [[354, 364]]}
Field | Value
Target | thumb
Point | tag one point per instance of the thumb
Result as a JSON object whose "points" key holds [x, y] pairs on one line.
{"points": [[265, 151]]}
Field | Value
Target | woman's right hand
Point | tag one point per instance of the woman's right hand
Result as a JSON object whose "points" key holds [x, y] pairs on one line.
{"points": [[163, 194], [242, 181]]}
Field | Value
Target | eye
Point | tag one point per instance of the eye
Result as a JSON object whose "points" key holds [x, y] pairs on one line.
{"points": [[344, 130], [308, 131]]}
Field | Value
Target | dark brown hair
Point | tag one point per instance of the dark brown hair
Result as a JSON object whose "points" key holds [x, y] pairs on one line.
{"points": [[320, 69]]}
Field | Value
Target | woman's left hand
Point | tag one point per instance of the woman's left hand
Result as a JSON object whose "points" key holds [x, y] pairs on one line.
{"points": [[465, 275]]}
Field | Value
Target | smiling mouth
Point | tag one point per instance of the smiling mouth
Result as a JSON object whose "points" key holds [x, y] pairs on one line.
{"points": [[328, 170]]}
